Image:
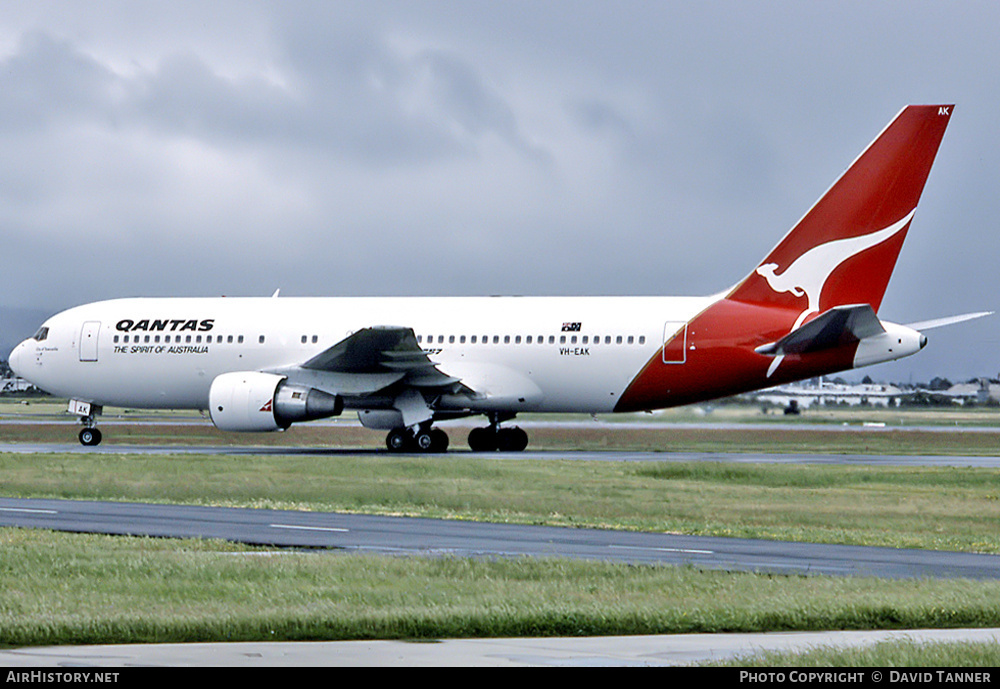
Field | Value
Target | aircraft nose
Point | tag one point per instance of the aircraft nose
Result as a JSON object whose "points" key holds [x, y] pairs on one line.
{"points": [[15, 360]]}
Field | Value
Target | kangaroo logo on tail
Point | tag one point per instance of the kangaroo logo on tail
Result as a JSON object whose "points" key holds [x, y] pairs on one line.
{"points": [[807, 275]]}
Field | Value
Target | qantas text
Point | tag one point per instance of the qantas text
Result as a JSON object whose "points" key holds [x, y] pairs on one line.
{"points": [[164, 324]]}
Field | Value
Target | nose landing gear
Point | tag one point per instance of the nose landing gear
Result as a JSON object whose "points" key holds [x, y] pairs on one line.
{"points": [[90, 435]]}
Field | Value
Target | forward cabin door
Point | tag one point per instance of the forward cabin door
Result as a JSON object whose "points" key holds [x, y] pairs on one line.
{"points": [[88, 340]]}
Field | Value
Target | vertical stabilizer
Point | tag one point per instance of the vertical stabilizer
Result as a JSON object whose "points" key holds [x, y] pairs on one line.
{"points": [[844, 249]]}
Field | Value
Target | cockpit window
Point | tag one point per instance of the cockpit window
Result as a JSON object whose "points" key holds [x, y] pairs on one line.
{"points": [[42, 334]]}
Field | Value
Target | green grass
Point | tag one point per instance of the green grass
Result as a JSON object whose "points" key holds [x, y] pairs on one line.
{"points": [[89, 589], [936, 657], [919, 507], [68, 588]]}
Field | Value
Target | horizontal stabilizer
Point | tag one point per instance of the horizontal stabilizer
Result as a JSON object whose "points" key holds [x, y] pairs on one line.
{"points": [[839, 326], [950, 320]]}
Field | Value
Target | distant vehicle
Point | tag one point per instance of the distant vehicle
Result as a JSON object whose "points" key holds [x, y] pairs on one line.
{"points": [[404, 364]]}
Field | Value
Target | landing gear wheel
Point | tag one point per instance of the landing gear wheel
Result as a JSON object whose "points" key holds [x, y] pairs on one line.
{"points": [[440, 440], [424, 440], [512, 439], [491, 439], [90, 437], [483, 440], [398, 440]]}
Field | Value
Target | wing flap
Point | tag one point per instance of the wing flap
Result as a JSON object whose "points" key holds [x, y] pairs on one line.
{"points": [[373, 359]]}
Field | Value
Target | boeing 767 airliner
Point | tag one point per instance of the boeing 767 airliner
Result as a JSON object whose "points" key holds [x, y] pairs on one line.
{"points": [[403, 364]]}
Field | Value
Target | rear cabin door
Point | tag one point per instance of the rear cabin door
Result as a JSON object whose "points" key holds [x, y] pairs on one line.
{"points": [[675, 340]]}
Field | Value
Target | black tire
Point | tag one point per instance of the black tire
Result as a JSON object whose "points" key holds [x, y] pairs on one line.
{"points": [[482, 440], [440, 440], [512, 439], [398, 440], [424, 441], [90, 437]]}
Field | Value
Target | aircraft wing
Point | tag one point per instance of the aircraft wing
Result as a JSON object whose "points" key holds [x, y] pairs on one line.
{"points": [[839, 326], [370, 360]]}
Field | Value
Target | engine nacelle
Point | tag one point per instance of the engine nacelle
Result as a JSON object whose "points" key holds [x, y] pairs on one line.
{"points": [[254, 401]]}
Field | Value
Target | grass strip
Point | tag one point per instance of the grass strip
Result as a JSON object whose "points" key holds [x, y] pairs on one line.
{"points": [[749, 438], [915, 507], [90, 589], [940, 657]]}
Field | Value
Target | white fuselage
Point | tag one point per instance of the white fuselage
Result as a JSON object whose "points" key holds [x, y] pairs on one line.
{"points": [[579, 352]]}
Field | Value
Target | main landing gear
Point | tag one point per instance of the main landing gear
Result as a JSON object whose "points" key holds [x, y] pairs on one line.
{"points": [[492, 439], [423, 439]]}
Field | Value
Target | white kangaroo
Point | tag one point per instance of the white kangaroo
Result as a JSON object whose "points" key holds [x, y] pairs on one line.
{"points": [[807, 275]]}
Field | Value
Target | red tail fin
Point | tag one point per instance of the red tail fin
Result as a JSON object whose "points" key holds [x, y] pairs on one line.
{"points": [[844, 249]]}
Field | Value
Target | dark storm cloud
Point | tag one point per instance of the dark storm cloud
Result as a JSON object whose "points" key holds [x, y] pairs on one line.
{"points": [[478, 147]]}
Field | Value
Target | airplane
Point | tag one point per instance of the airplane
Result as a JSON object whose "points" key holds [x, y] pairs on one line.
{"points": [[405, 364]]}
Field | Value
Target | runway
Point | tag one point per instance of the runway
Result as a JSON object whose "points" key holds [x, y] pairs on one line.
{"points": [[626, 651], [989, 462], [341, 533], [436, 537]]}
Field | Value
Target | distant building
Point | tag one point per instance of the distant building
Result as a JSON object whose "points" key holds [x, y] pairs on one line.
{"points": [[14, 385], [810, 393], [980, 391]]}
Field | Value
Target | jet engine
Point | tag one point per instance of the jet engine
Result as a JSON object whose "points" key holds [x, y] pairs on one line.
{"points": [[254, 401]]}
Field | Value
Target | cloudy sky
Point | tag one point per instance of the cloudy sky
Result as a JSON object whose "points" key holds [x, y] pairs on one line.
{"points": [[505, 147]]}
